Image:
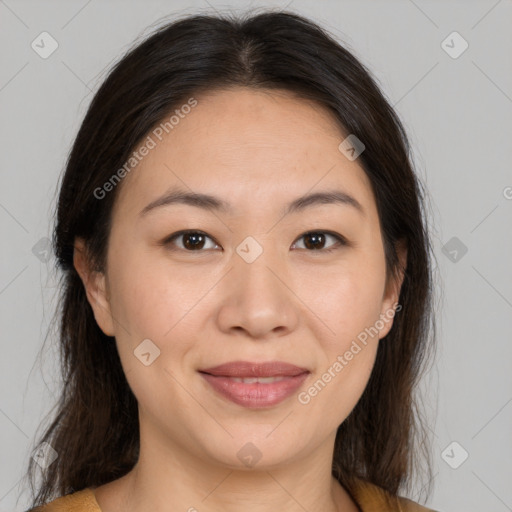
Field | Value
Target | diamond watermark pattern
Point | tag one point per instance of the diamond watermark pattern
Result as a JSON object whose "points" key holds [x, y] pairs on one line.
{"points": [[44, 455], [454, 455], [146, 352], [41, 250], [454, 45], [351, 147], [249, 250], [454, 249], [44, 45], [249, 455]]}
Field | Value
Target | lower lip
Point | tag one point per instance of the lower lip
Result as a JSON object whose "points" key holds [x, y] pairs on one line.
{"points": [[255, 395]]}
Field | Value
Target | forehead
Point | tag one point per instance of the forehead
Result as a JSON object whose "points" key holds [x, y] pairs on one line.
{"points": [[245, 144]]}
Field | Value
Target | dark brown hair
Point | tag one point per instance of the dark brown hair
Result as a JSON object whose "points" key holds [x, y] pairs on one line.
{"points": [[95, 428]]}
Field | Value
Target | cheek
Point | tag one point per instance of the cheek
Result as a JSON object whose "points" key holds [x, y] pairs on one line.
{"points": [[350, 307], [150, 295], [150, 305], [155, 301], [347, 300]]}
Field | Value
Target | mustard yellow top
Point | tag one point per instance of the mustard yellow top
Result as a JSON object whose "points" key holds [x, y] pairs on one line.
{"points": [[368, 497]]}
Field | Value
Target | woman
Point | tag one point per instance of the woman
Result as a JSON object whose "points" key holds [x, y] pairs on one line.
{"points": [[247, 281]]}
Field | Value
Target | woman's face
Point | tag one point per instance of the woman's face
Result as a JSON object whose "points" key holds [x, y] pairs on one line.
{"points": [[253, 287]]}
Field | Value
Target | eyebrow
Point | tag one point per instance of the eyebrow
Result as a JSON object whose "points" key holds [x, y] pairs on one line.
{"points": [[212, 203]]}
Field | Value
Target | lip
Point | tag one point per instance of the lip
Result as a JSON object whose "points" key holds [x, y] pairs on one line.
{"points": [[246, 369], [257, 394]]}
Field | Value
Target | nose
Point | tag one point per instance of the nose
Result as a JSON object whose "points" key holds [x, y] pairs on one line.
{"points": [[258, 298]]}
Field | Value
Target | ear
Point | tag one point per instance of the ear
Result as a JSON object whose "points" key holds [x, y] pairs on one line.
{"points": [[392, 292], [95, 288]]}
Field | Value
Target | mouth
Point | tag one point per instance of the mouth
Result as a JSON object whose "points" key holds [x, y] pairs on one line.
{"points": [[248, 369], [252, 380], [255, 385]]}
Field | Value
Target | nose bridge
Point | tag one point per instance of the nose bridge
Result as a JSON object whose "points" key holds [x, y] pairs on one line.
{"points": [[256, 265], [258, 302]]}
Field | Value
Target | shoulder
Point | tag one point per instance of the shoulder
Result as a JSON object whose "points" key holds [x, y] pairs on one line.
{"points": [[79, 501], [411, 506], [371, 497]]}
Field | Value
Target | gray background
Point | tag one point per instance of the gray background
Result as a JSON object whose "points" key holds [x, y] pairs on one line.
{"points": [[457, 112]]}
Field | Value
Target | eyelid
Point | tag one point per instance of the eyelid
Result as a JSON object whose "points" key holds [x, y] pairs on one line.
{"points": [[177, 234], [341, 240]]}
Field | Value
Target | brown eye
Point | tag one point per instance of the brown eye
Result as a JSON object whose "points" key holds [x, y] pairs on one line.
{"points": [[191, 240], [197, 241], [315, 240]]}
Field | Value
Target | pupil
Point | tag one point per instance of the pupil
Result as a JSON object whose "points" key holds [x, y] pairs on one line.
{"points": [[196, 241], [315, 238]]}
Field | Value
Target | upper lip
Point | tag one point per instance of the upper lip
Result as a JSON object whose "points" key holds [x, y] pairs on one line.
{"points": [[244, 369]]}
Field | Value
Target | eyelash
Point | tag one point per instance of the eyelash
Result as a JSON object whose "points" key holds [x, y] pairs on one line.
{"points": [[341, 241]]}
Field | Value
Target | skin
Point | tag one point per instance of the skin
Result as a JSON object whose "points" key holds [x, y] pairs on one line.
{"points": [[259, 150]]}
